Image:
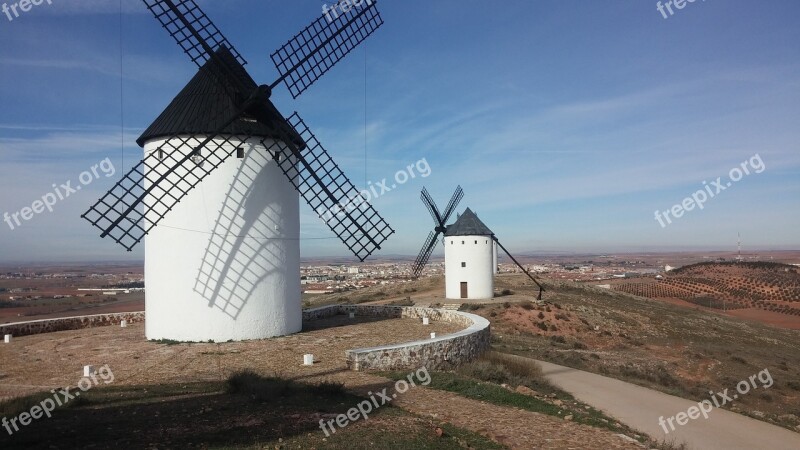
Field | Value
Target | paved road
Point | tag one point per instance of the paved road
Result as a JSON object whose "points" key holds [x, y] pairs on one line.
{"points": [[640, 408]]}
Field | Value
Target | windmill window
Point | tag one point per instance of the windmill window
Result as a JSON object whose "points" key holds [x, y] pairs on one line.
{"points": [[160, 154], [240, 153], [463, 264], [462, 242], [476, 242], [451, 242]]}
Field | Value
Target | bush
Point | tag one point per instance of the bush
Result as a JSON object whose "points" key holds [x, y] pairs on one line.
{"points": [[247, 382], [507, 292], [541, 315], [559, 339], [403, 302], [501, 368], [527, 306], [271, 388], [542, 326]]}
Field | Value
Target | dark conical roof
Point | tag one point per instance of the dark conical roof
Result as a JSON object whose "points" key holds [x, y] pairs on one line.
{"points": [[468, 224], [202, 107]]}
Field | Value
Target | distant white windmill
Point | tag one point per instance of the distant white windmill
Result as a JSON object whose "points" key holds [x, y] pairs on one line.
{"points": [[470, 251]]}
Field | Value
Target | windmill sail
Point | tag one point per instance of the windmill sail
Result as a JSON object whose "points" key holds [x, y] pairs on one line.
{"points": [[329, 192], [440, 221], [317, 48]]}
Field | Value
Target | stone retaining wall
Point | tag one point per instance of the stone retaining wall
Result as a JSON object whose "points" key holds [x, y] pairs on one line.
{"points": [[69, 323], [435, 354]]}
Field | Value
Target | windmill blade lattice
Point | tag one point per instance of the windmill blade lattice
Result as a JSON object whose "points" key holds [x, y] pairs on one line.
{"points": [[432, 208], [153, 187], [454, 201], [425, 253], [329, 192], [440, 222], [317, 48], [191, 28]]}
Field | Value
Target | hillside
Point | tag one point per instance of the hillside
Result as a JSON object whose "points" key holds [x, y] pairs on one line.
{"points": [[683, 351], [752, 288]]}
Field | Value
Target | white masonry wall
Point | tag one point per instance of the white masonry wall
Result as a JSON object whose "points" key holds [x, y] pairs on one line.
{"points": [[224, 264], [477, 254]]}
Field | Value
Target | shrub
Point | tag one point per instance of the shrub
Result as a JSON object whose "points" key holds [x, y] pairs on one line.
{"points": [[542, 326], [541, 315], [247, 382], [507, 292], [402, 302], [559, 339]]}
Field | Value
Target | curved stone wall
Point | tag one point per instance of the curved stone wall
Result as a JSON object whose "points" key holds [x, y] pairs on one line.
{"points": [[435, 354]]}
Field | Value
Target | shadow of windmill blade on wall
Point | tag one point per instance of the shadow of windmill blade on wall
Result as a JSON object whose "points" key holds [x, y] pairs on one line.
{"points": [[240, 255]]}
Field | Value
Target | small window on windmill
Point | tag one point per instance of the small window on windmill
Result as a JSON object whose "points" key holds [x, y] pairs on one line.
{"points": [[476, 241], [463, 264], [160, 154], [462, 242], [196, 157], [240, 152]]}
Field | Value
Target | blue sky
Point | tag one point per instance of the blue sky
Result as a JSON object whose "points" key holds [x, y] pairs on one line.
{"points": [[567, 123]]}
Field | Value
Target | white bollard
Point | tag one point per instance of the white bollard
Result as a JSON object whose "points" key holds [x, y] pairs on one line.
{"points": [[308, 359], [88, 371], [433, 335], [8, 339], [426, 321], [123, 324]]}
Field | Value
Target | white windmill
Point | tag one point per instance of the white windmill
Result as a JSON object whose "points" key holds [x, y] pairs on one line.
{"points": [[224, 264], [470, 251]]}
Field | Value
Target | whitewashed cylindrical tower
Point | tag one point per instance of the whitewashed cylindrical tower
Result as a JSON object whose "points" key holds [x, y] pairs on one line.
{"points": [[469, 259], [224, 264]]}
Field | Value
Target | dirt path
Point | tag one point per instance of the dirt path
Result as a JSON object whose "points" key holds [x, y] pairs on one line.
{"points": [[641, 408]]}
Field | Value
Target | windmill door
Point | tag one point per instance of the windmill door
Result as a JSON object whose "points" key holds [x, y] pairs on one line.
{"points": [[463, 289]]}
